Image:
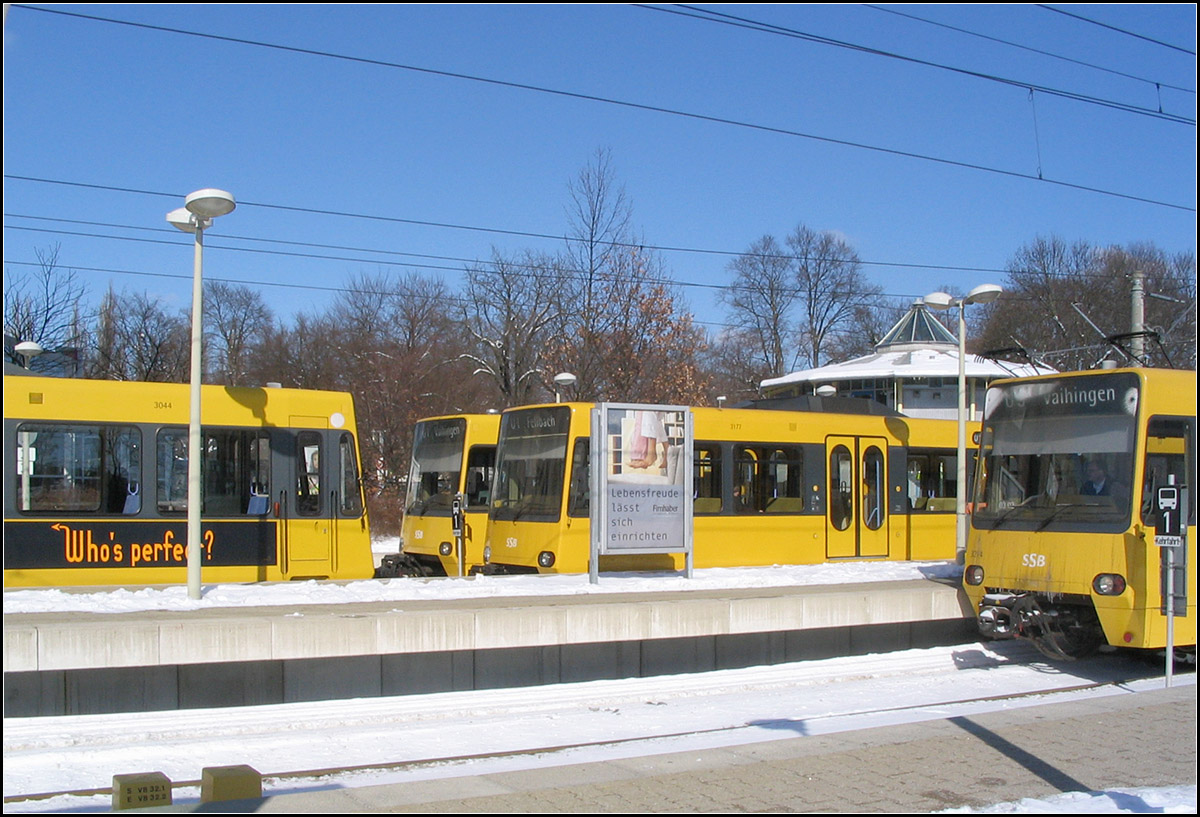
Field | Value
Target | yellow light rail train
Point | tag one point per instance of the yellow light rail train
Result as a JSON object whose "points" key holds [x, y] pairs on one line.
{"points": [[445, 514], [1062, 549], [771, 486], [95, 487]]}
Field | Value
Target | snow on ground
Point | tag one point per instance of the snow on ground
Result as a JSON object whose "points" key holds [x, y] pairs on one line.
{"points": [[1167, 800], [603, 720], [54, 770]]}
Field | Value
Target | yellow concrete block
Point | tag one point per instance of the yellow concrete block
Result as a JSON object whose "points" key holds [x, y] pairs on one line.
{"points": [[140, 790], [229, 783]]}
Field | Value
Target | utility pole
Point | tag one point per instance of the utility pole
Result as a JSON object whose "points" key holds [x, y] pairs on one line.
{"points": [[1138, 317]]}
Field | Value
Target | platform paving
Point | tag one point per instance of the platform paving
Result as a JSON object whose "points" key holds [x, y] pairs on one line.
{"points": [[1128, 740]]}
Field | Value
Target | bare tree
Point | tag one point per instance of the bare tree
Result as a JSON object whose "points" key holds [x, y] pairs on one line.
{"points": [[656, 356], [400, 350], [236, 317], [599, 217], [871, 320], [617, 324], [733, 367], [829, 277], [762, 302], [640, 345], [510, 304], [593, 296], [45, 306], [136, 338], [1063, 300]]}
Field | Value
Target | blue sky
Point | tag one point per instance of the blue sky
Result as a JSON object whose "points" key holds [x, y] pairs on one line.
{"points": [[930, 173]]}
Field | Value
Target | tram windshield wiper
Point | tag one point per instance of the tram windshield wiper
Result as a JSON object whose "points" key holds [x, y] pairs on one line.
{"points": [[1055, 513], [1025, 504]]}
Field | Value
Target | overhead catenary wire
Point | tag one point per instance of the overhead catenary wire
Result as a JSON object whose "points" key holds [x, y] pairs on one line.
{"points": [[462, 263], [771, 28], [560, 238], [476, 228], [1119, 30], [713, 119], [1156, 83], [467, 265]]}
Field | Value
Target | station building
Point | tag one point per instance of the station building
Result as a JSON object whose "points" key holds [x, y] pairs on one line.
{"points": [[913, 370]]}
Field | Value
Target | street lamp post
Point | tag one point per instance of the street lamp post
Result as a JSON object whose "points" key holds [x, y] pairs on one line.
{"points": [[196, 216], [28, 350], [982, 294], [561, 381]]}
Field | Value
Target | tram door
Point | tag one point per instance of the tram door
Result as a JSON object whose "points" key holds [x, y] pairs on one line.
{"points": [[856, 524], [309, 536]]}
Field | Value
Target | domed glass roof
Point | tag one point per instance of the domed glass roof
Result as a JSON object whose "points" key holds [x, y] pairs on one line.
{"points": [[917, 326]]}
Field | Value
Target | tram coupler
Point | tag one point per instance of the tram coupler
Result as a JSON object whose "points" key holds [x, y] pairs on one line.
{"points": [[995, 618], [401, 565]]}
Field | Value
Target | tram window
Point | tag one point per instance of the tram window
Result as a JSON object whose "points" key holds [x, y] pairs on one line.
{"points": [[308, 467], [874, 488], [785, 481], [349, 489], [481, 466], [932, 476], [745, 486], [259, 501], [579, 498], [1170, 453], [236, 470], [768, 480], [172, 470], [841, 478], [706, 479], [123, 469], [78, 468]]}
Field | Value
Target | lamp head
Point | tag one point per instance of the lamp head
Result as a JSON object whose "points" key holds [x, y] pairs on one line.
{"points": [[939, 300], [983, 294], [209, 203], [181, 219]]}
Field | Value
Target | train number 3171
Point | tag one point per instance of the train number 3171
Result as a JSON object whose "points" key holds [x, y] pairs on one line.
{"points": [[1033, 560]]}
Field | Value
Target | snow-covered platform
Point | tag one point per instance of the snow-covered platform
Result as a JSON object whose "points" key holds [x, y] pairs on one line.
{"points": [[76, 653]]}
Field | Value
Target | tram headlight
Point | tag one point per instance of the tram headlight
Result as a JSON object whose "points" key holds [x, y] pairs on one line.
{"points": [[546, 558], [973, 575], [487, 554], [1109, 584], [445, 548]]}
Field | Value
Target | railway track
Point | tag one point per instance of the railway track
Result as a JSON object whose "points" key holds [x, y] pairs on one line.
{"points": [[408, 738]]}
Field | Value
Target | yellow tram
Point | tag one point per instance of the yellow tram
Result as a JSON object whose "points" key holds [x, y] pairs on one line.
{"points": [[445, 514], [95, 487], [1062, 549], [770, 487]]}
